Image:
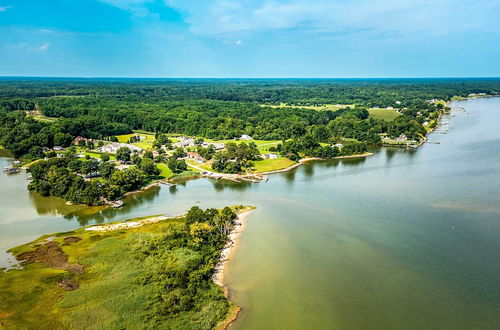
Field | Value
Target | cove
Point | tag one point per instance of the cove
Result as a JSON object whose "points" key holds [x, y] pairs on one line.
{"points": [[404, 239]]}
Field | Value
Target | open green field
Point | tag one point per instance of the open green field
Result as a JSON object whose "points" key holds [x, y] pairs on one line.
{"points": [[117, 281], [267, 165], [40, 117], [385, 114], [323, 107], [168, 174], [165, 171]]}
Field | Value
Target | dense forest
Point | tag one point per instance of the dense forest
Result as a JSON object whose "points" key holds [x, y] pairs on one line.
{"points": [[224, 109], [41, 113]]}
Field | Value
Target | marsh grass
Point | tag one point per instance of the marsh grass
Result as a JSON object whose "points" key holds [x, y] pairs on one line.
{"points": [[123, 285]]}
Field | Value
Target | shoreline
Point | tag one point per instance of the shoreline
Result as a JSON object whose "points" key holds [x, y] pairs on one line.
{"points": [[305, 160], [221, 268]]}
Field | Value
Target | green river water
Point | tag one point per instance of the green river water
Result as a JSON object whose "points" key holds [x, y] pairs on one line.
{"points": [[404, 239]]}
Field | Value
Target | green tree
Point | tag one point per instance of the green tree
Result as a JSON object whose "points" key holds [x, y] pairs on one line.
{"points": [[149, 167], [123, 154]]}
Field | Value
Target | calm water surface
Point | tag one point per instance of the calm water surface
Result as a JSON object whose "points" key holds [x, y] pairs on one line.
{"points": [[404, 239]]}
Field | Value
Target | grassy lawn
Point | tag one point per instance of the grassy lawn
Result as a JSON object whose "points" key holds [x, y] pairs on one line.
{"points": [[267, 165], [185, 175], [168, 174], [165, 171], [112, 292], [98, 155], [385, 114], [205, 166]]}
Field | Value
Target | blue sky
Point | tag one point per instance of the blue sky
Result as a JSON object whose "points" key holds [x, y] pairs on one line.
{"points": [[250, 38]]}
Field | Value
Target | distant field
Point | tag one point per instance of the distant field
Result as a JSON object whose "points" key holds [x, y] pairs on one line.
{"points": [[323, 107], [38, 116], [385, 114]]}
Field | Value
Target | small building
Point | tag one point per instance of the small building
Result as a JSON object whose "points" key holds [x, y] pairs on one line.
{"points": [[246, 137], [339, 145], [270, 156], [390, 108], [192, 155], [199, 159], [80, 138], [58, 148], [402, 137]]}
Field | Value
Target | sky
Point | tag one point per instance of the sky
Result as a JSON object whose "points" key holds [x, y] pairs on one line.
{"points": [[250, 38]]}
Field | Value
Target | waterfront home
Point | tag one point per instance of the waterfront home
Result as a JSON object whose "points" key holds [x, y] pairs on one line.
{"points": [[246, 137], [112, 147], [402, 137], [270, 156]]}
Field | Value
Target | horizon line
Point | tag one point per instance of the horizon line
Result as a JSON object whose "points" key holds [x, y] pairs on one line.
{"points": [[249, 78]]}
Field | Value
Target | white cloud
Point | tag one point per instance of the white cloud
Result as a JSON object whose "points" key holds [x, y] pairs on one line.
{"points": [[43, 47], [134, 6], [397, 17]]}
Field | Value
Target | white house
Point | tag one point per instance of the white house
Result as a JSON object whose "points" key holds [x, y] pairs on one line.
{"points": [[246, 137], [184, 142], [112, 147], [270, 156]]}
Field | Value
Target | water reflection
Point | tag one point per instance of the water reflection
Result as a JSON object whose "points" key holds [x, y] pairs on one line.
{"points": [[54, 206]]}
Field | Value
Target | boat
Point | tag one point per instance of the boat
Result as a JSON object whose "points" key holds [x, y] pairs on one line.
{"points": [[117, 204], [12, 169]]}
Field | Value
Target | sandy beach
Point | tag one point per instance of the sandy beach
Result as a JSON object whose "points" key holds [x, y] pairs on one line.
{"points": [[127, 224], [229, 249]]}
